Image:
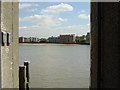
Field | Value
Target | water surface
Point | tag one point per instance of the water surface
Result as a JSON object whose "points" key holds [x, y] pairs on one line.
{"points": [[57, 66]]}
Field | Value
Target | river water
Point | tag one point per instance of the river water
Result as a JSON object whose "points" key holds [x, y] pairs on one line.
{"points": [[57, 66]]}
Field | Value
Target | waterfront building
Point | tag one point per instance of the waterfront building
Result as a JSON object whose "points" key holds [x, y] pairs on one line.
{"points": [[27, 40], [67, 38], [34, 39], [53, 39], [57, 39], [88, 38], [21, 39], [83, 37], [24, 40]]}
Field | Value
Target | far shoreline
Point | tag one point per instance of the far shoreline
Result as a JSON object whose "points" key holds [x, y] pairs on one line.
{"points": [[53, 44]]}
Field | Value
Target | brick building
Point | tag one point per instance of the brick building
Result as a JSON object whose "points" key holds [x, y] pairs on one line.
{"points": [[21, 39], [34, 39], [67, 38]]}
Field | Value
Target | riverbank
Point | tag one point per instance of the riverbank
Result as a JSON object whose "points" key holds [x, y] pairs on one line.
{"points": [[50, 44]]}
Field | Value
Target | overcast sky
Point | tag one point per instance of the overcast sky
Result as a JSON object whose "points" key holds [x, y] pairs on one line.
{"points": [[45, 19]]}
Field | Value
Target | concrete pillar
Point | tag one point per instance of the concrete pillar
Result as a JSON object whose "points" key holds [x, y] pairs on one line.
{"points": [[9, 68], [105, 45]]}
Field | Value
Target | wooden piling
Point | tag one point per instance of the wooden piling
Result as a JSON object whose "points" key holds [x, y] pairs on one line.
{"points": [[27, 64], [22, 77]]}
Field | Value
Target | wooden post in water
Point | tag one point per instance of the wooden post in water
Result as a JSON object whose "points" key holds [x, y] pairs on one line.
{"points": [[27, 64], [22, 77]]}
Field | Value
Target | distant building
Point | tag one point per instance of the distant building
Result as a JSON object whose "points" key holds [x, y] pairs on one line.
{"points": [[21, 39], [27, 40], [88, 38], [57, 39], [67, 38], [54, 39], [83, 37], [34, 39]]}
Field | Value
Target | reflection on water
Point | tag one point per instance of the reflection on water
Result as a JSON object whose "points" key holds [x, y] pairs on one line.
{"points": [[57, 66]]}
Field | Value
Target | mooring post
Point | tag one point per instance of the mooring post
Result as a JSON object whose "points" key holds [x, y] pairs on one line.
{"points": [[22, 77], [27, 64]]}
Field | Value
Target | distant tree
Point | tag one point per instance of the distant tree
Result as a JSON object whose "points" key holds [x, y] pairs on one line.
{"points": [[77, 40], [80, 41], [83, 41], [25, 38], [51, 38], [43, 40]]}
